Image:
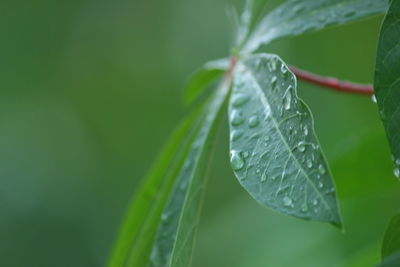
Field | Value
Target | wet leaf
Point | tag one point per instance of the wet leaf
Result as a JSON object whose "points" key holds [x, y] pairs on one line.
{"points": [[387, 80], [295, 17], [274, 152]]}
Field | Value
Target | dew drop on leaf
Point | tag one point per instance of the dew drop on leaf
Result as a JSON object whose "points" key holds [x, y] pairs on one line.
{"points": [[240, 100], [236, 160], [287, 201], [253, 121], [373, 98], [263, 177], [286, 100], [284, 70], [235, 135], [396, 172], [321, 169], [304, 207], [315, 202], [349, 13], [274, 80], [309, 163], [305, 130], [237, 118]]}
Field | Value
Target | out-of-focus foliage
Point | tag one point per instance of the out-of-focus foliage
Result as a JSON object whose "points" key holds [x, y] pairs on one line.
{"points": [[90, 92]]}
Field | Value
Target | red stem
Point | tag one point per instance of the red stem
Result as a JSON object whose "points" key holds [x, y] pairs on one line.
{"points": [[333, 83]]}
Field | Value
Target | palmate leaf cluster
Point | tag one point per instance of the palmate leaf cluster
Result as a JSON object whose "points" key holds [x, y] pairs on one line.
{"points": [[274, 151]]}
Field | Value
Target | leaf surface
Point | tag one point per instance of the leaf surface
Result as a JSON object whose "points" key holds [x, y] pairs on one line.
{"points": [[391, 241], [274, 152], [142, 218], [387, 80], [203, 77], [295, 17], [175, 238]]}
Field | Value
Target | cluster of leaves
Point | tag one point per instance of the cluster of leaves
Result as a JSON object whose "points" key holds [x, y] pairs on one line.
{"points": [[274, 151]]}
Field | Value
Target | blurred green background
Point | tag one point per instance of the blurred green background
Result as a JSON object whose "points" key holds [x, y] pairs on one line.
{"points": [[90, 90]]}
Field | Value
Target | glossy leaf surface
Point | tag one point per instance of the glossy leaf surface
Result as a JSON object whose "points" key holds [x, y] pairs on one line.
{"points": [[387, 80], [295, 17], [274, 152]]}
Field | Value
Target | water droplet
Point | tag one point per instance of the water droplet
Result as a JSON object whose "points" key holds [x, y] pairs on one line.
{"points": [[287, 201], [263, 177], [245, 154], [302, 148], [284, 70], [321, 169], [309, 163], [304, 207], [240, 100], [164, 216], [373, 98], [349, 13], [235, 135], [237, 118], [272, 65], [305, 130], [315, 202], [397, 161], [274, 80], [396, 172], [258, 171], [236, 160], [287, 98], [253, 121], [320, 185]]}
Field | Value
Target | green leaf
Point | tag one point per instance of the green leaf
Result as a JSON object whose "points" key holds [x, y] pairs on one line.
{"points": [[203, 77], [295, 17], [142, 218], [274, 152], [245, 22], [175, 238], [387, 80], [392, 261], [391, 241]]}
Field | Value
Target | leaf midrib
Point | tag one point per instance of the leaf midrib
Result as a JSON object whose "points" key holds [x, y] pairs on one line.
{"points": [[265, 102]]}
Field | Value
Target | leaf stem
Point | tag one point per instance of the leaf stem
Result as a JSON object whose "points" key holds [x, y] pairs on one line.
{"points": [[332, 83]]}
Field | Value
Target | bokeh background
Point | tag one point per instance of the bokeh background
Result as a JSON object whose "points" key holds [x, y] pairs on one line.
{"points": [[90, 90]]}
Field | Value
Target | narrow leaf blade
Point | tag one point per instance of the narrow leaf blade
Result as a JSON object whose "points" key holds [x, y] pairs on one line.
{"points": [[295, 17], [391, 241], [274, 152], [175, 238], [142, 218], [203, 77], [387, 80]]}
